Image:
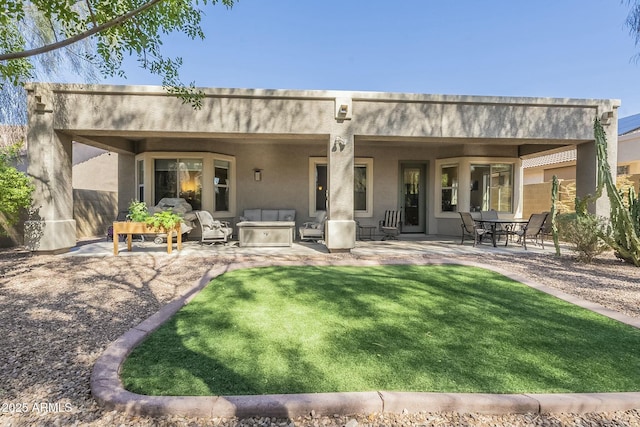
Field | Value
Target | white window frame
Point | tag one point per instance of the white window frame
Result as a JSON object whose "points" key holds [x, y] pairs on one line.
{"points": [[208, 188], [230, 185], [464, 183], [358, 161], [491, 169], [455, 188]]}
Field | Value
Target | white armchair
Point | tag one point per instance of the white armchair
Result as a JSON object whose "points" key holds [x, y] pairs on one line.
{"points": [[314, 230], [213, 230]]}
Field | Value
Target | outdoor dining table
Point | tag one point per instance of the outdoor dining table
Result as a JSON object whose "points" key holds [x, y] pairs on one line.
{"points": [[508, 223]]}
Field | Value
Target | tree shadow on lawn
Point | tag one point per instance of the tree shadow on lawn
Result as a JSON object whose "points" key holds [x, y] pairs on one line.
{"points": [[181, 371], [404, 328]]}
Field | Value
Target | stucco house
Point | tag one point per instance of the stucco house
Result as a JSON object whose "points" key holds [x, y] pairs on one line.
{"points": [[353, 154], [538, 170], [629, 145], [562, 163]]}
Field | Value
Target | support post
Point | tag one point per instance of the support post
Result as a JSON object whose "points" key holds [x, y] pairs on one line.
{"points": [[50, 227], [340, 230]]}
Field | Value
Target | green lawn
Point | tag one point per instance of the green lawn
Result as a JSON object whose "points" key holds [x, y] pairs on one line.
{"points": [[403, 328]]}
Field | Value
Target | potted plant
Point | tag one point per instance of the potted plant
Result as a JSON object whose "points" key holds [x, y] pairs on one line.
{"points": [[138, 211], [165, 221]]}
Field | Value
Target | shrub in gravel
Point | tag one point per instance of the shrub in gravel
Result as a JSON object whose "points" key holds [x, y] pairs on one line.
{"points": [[583, 232]]}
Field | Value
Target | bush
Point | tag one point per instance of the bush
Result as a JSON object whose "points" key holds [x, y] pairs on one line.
{"points": [[582, 232], [16, 188], [138, 211], [165, 220]]}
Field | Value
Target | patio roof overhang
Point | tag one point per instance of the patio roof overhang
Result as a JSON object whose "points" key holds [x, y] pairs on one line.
{"points": [[119, 118], [135, 119]]}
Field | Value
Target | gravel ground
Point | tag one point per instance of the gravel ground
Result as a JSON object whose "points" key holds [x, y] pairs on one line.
{"points": [[58, 314]]}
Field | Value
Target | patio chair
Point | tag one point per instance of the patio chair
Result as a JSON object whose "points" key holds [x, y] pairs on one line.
{"points": [[533, 229], [498, 228], [547, 228], [213, 230], [314, 230], [391, 225], [471, 228]]}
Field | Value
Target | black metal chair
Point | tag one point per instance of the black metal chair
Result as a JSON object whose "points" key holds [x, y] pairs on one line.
{"points": [[471, 228], [533, 229]]}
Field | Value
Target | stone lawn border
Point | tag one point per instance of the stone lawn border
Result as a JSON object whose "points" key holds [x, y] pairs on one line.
{"points": [[108, 391]]}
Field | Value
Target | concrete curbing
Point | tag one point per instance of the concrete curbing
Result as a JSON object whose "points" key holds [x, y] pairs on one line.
{"points": [[108, 390]]}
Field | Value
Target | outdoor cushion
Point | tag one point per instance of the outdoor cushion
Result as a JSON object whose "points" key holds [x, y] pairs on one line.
{"points": [[314, 230], [252, 215], [320, 217], [213, 230], [256, 215], [208, 222], [269, 215], [287, 215]]}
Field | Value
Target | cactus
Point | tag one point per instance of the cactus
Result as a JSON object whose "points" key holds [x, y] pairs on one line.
{"points": [[555, 185], [622, 233], [633, 202]]}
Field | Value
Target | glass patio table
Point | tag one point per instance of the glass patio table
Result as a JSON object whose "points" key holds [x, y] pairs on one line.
{"points": [[507, 223]]}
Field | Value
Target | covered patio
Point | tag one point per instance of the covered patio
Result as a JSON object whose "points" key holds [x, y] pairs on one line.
{"points": [[353, 154]]}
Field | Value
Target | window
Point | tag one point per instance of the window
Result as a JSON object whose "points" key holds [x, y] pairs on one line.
{"points": [[320, 188], [623, 170], [362, 186], [449, 185], [221, 185], [140, 179], [491, 187], [205, 180], [179, 178]]}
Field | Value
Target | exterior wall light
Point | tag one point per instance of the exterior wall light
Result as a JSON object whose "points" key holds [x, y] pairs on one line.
{"points": [[343, 108], [257, 174], [606, 117]]}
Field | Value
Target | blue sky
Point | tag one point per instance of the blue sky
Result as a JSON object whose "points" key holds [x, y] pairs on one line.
{"points": [[547, 48]]}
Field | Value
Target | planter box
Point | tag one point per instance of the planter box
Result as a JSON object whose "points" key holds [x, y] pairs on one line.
{"points": [[129, 228]]}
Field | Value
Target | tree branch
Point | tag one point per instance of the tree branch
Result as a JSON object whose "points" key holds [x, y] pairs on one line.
{"points": [[80, 36], [93, 17]]}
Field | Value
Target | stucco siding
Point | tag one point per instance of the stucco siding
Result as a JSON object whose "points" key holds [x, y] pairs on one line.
{"points": [[97, 173], [480, 121], [567, 172], [94, 211], [629, 149], [163, 114], [285, 178], [298, 112]]}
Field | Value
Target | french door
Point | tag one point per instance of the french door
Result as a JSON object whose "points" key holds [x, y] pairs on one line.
{"points": [[413, 197]]}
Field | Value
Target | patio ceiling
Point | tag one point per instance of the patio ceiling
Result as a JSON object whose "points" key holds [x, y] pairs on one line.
{"points": [[132, 141]]}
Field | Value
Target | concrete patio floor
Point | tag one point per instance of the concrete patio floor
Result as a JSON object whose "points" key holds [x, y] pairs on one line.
{"points": [[407, 244]]}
